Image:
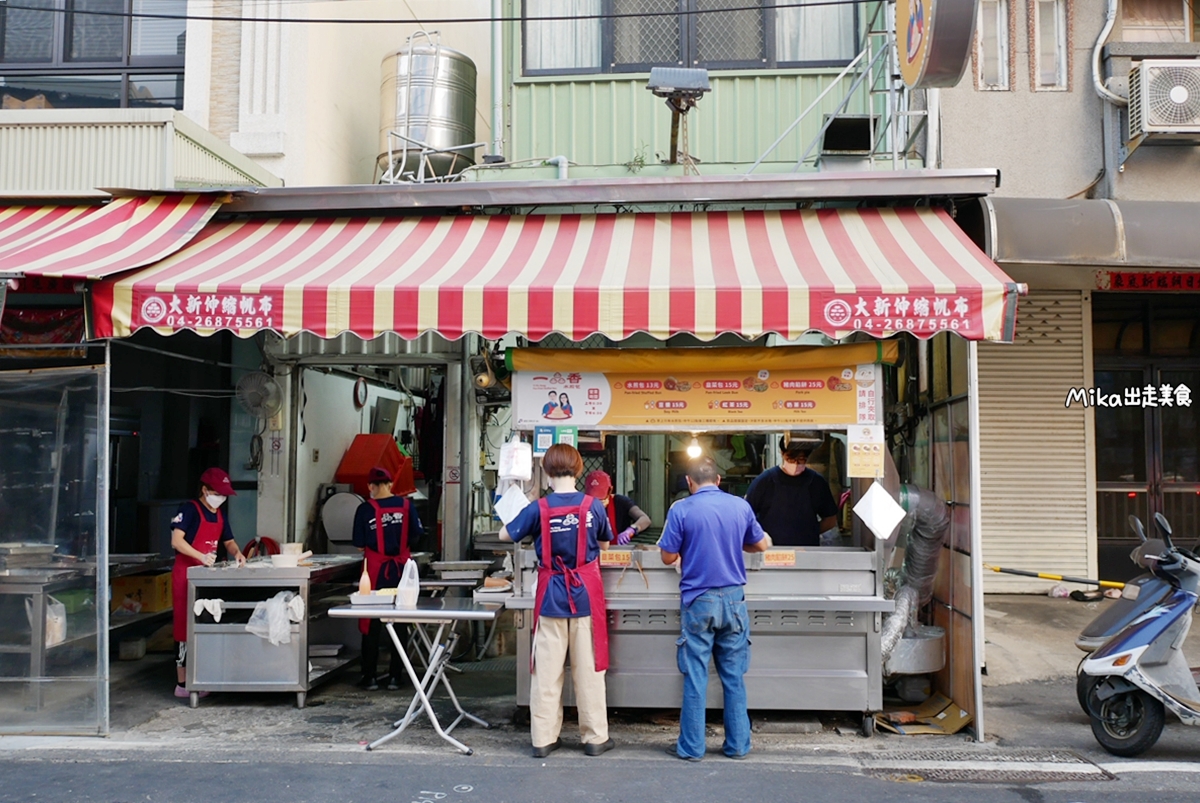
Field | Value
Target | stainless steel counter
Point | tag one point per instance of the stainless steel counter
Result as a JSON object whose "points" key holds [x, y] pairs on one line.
{"points": [[226, 657], [815, 623]]}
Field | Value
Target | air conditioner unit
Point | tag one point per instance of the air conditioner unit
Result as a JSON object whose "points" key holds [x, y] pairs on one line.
{"points": [[1164, 101]]}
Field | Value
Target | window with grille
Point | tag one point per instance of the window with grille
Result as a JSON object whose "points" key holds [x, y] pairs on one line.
{"points": [[91, 53], [600, 36], [1050, 44], [992, 51]]}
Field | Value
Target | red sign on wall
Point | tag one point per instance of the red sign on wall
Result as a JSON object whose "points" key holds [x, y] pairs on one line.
{"points": [[1147, 280]]}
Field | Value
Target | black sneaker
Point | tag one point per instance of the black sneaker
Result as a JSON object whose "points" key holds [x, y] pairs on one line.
{"points": [[542, 752], [368, 684], [393, 684], [673, 750], [598, 748]]}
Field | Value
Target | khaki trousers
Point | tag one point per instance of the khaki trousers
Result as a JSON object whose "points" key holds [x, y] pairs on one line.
{"points": [[556, 638]]}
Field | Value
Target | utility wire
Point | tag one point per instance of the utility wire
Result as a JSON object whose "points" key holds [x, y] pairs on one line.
{"points": [[693, 12]]}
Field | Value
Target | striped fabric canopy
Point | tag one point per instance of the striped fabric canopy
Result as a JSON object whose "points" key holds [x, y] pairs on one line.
{"points": [[837, 271], [92, 242]]}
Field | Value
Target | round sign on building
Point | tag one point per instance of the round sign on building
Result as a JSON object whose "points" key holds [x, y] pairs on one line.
{"points": [[933, 40]]}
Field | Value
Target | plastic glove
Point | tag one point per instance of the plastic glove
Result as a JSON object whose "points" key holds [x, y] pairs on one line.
{"points": [[209, 558], [626, 535]]}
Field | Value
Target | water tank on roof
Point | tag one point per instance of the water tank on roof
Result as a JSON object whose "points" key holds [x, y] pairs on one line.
{"points": [[427, 96]]}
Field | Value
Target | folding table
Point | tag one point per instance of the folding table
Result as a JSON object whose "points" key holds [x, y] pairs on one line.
{"points": [[443, 612]]}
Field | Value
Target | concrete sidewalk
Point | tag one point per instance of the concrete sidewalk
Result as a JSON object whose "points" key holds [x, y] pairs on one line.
{"points": [[1029, 702]]}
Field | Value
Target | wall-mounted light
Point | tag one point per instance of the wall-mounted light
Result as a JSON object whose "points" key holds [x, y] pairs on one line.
{"points": [[694, 450]]}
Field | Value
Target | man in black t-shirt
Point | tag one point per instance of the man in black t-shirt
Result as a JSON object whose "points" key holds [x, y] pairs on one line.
{"points": [[793, 503]]}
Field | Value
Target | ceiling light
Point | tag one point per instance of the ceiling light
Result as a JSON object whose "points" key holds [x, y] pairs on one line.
{"points": [[694, 450]]}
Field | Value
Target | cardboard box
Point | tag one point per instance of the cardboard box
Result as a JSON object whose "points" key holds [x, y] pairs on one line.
{"points": [[142, 593]]}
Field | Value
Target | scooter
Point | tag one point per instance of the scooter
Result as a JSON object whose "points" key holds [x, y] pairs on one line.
{"points": [[1141, 671]]}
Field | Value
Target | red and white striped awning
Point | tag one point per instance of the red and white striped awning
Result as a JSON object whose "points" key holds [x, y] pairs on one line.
{"points": [[93, 242], [788, 272]]}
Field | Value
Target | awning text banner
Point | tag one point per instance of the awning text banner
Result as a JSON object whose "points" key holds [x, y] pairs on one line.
{"points": [[686, 391]]}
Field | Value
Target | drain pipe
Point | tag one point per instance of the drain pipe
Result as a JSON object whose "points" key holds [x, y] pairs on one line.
{"points": [[497, 79], [561, 163], [930, 524], [1103, 91]]}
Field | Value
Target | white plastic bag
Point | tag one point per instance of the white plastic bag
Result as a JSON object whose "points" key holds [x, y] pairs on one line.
{"points": [[270, 619], [56, 620], [409, 588], [511, 502], [516, 461]]}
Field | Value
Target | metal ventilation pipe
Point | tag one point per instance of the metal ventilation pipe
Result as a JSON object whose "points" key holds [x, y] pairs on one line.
{"points": [[930, 524]]}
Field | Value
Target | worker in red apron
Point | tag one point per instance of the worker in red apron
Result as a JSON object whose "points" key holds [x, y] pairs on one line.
{"points": [[383, 526], [625, 517], [569, 614], [199, 525]]}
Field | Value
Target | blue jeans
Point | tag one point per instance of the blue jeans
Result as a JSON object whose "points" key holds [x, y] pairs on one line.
{"points": [[715, 625]]}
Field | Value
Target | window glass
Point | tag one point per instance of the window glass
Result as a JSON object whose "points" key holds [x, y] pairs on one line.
{"points": [[817, 34], [151, 36], [1180, 429], [730, 36], [61, 91], [26, 34], [1120, 431], [1153, 21], [557, 44], [156, 90], [96, 36], [646, 40], [993, 44], [941, 366], [959, 370], [1051, 43]]}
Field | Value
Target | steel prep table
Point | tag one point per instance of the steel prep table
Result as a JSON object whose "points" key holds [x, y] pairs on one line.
{"points": [[225, 657], [815, 617]]}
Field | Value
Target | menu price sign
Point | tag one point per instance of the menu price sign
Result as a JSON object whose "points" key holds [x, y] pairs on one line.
{"points": [[711, 401], [865, 451]]}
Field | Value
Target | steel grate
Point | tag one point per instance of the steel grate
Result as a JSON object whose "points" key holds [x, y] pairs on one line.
{"points": [[973, 766]]}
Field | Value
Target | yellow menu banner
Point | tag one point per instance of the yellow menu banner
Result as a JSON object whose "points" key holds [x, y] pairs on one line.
{"points": [[721, 399]]}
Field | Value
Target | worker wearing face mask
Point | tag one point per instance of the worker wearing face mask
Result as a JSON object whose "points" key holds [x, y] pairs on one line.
{"points": [[793, 503], [195, 531]]}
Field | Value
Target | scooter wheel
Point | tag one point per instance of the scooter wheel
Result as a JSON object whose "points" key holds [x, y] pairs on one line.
{"points": [[1084, 684], [1128, 724]]}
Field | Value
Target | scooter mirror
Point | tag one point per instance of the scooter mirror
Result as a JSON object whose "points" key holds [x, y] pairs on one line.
{"points": [[1164, 527], [1136, 524]]}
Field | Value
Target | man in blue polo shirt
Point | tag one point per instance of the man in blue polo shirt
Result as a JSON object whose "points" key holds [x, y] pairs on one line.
{"points": [[707, 532]]}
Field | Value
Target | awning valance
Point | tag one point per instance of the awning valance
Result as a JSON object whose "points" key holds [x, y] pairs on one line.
{"points": [[834, 270], [93, 242]]}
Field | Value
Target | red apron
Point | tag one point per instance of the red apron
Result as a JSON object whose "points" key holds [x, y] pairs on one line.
{"points": [[586, 574], [377, 559], [207, 536]]}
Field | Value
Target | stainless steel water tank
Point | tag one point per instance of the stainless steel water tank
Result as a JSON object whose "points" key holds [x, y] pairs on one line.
{"points": [[427, 94]]}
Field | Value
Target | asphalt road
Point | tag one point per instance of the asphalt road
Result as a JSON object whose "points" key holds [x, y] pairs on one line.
{"points": [[381, 777]]}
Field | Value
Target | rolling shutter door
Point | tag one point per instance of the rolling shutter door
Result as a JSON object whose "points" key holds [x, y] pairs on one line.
{"points": [[1035, 458]]}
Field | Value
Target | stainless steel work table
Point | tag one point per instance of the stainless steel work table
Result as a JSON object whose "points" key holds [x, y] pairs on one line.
{"points": [[444, 613], [226, 657], [815, 617]]}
